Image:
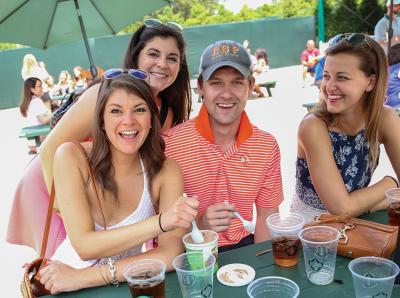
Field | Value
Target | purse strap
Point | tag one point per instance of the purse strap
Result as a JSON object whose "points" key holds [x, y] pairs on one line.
{"points": [[51, 204], [332, 219]]}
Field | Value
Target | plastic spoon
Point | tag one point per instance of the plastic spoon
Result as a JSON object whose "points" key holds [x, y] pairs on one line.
{"points": [[248, 225], [196, 235]]}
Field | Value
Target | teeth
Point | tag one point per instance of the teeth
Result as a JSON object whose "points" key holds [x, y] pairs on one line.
{"points": [[159, 75], [334, 96], [225, 105], [129, 133]]}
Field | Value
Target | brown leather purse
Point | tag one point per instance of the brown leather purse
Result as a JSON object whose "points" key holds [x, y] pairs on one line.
{"points": [[360, 237], [31, 287]]}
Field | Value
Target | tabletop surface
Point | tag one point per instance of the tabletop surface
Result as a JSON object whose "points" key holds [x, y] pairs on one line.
{"points": [[264, 265]]}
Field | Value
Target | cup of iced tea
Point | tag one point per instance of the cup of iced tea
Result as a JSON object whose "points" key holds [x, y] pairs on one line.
{"points": [[286, 244], [146, 278], [393, 197]]}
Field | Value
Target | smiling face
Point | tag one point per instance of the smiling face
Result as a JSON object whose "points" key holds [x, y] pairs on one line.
{"points": [[225, 96], [127, 121], [344, 85], [161, 59]]}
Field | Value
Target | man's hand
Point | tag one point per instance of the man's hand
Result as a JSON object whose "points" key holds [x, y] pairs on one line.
{"points": [[217, 217]]}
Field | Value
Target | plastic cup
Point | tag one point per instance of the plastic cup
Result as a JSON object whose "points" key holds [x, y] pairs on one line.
{"points": [[195, 274], [209, 246], [319, 249], [285, 240], [373, 276], [273, 287], [146, 278], [393, 197]]}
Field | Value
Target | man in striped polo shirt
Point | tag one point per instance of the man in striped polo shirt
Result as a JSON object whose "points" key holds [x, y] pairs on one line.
{"points": [[223, 156]]}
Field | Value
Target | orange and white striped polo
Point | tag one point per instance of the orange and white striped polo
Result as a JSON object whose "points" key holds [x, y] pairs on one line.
{"points": [[249, 172]]}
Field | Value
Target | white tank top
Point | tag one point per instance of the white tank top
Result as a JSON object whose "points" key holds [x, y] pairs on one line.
{"points": [[67, 254]]}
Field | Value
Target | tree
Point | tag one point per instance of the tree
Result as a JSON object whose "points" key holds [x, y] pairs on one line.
{"points": [[371, 12]]}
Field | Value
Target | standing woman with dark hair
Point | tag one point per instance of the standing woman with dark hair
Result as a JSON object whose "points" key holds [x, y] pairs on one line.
{"points": [[158, 49], [33, 108], [393, 91]]}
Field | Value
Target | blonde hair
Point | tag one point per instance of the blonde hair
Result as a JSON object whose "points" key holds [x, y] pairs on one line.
{"points": [[28, 63], [373, 61]]}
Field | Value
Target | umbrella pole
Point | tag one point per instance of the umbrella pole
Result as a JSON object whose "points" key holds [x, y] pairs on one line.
{"points": [[93, 68]]}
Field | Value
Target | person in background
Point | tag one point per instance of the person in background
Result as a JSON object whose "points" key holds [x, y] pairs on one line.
{"points": [[157, 48], [393, 90], [80, 78], [32, 107], [260, 70], [227, 162], [309, 59], [135, 182], [338, 142], [382, 27], [319, 71], [65, 84]]}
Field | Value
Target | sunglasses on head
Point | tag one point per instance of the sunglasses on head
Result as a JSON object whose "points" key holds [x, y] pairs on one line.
{"points": [[116, 72], [154, 23], [354, 39]]}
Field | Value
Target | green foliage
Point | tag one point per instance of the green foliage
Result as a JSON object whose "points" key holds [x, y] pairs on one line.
{"points": [[8, 46], [371, 12]]}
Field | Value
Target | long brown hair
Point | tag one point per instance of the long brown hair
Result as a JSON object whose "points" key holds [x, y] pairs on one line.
{"points": [[27, 94], [152, 150], [372, 62], [178, 95]]}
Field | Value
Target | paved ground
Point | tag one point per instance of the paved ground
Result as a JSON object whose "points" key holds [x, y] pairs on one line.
{"points": [[279, 115]]}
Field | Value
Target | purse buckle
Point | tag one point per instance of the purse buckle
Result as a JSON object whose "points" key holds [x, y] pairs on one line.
{"points": [[342, 232]]}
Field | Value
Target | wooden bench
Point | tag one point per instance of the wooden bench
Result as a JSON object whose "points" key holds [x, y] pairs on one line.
{"points": [[34, 132], [268, 85]]}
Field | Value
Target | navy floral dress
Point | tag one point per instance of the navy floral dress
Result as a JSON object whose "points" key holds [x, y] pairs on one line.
{"points": [[351, 157]]}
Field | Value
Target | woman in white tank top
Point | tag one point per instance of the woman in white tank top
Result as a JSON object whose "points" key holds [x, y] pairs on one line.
{"points": [[134, 179]]}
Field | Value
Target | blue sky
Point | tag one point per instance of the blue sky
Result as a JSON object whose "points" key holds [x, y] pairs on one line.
{"points": [[236, 5]]}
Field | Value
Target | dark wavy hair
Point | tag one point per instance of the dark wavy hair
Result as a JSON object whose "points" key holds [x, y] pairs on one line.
{"points": [[178, 95], [152, 150], [394, 54], [372, 62], [27, 94]]}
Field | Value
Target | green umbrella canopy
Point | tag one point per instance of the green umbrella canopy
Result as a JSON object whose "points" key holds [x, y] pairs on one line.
{"points": [[45, 23]]}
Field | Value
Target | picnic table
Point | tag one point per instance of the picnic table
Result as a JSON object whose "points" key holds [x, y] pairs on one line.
{"points": [[268, 85], [264, 266], [34, 132]]}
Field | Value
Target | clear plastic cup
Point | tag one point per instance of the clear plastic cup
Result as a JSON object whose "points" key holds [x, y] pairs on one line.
{"points": [[273, 287], [146, 278], [373, 276], [209, 246], [393, 197], [319, 250], [195, 274], [286, 244]]}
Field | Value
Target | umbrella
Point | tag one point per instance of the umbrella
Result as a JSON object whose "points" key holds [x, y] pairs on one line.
{"points": [[45, 23]]}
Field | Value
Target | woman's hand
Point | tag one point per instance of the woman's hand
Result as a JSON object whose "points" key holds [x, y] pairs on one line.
{"points": [[180, 214], [59, 277]]}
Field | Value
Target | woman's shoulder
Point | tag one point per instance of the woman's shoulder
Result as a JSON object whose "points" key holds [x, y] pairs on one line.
{"points": [[73, 152], [312, 124]]}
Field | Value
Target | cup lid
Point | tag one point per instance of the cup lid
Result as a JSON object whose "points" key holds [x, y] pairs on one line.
{"points": [[236, 275]]}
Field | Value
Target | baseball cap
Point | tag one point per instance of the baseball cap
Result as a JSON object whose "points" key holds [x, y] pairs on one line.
{"points": [[395, 2], [224, 53]]}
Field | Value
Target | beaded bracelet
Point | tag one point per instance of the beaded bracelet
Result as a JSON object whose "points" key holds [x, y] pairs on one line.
{"points": [[159, 223], [113, 270], [105, 279]]}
